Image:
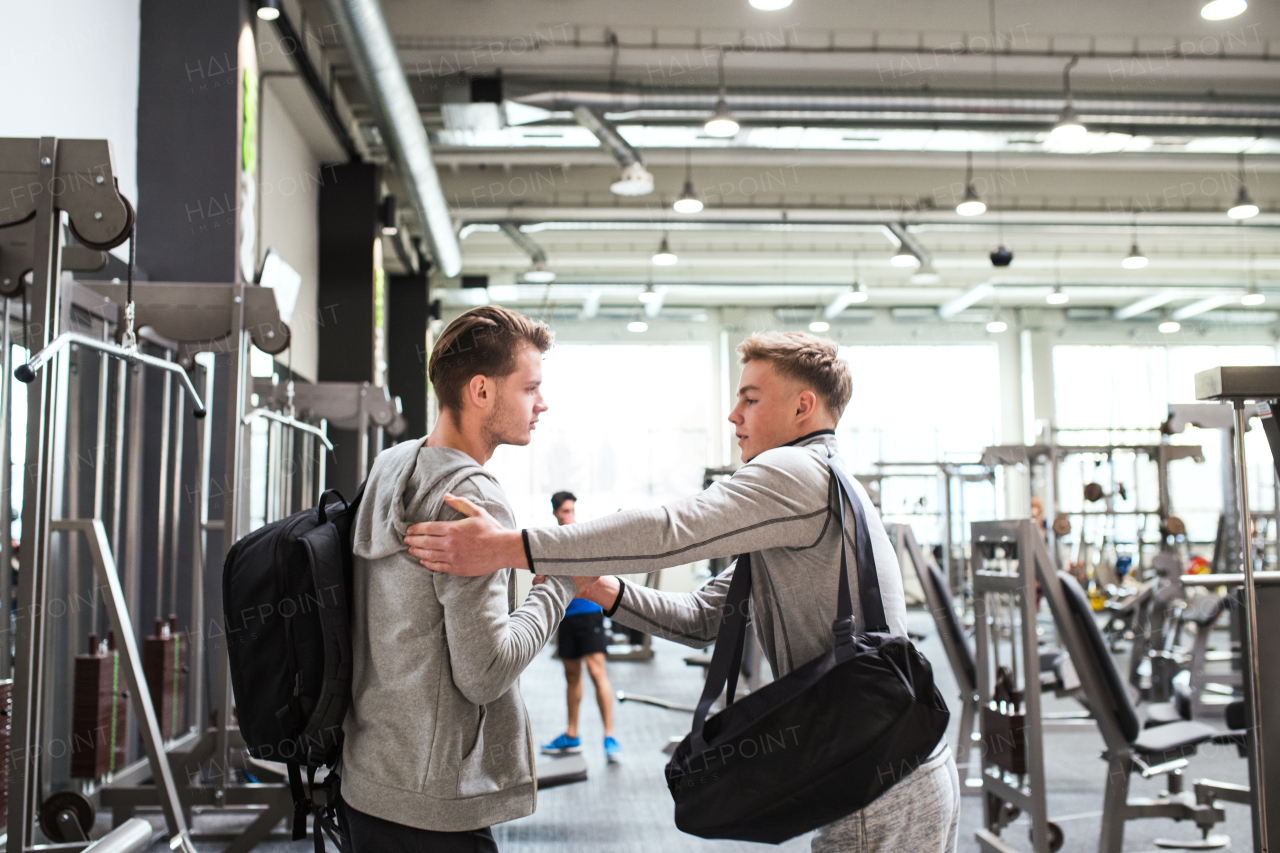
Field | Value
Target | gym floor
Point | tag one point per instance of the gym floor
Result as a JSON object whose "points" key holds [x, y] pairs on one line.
{"points": [[625, 808]]}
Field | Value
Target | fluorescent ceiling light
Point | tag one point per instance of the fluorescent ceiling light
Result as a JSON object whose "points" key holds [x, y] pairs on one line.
{"points": [[1220, 10], [637, 326]]}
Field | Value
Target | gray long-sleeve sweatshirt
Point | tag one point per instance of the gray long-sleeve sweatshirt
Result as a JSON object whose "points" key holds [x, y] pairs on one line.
{"points": [[437, 736], [781, 508]]}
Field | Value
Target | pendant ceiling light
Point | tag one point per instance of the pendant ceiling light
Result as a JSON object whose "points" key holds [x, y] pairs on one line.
{"points": [[1069, 124], [688, 202], [1244, 207], [1220, 10], [972, 205], [770, 5], [1057, 297], [539, 274], [721, 123], [664, 257], [904, 258], [269, 10]]}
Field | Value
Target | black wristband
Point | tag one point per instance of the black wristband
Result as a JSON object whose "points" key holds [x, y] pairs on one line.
{"points": [[528, 555], [622, 587]]}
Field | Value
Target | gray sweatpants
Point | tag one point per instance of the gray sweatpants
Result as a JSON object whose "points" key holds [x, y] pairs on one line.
{"points": [[917, 815]]}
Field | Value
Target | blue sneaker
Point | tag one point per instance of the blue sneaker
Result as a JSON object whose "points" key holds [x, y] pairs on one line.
{"points": [[612, 751], [563, 745]]}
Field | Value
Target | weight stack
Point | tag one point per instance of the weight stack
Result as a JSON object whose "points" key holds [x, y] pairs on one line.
{"points": [[6, 714], [100, 711], [164, 661]]}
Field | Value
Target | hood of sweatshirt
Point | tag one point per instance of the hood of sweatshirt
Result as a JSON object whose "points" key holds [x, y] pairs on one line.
{"points": [[407, 485]]}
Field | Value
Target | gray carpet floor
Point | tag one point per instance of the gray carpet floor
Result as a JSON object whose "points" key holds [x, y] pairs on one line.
{"points": [[625, 808]]}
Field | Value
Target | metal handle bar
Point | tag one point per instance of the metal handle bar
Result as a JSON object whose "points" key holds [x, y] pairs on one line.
{"points": [[302, 426], [27, 372]]}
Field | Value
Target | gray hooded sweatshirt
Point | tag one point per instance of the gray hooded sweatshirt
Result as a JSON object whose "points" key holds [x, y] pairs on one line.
{"points": [[437, 736]]}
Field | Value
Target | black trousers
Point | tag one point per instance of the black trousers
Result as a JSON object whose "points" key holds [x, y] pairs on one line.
{"points": [[371, 834]]}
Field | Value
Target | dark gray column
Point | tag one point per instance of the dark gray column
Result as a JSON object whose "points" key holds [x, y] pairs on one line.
{"points": [[408, 313], [349, 225], [187, 138]]}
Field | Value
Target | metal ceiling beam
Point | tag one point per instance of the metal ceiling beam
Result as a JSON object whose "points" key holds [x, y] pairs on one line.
{"points": [[1147, 303], [622, 151]]}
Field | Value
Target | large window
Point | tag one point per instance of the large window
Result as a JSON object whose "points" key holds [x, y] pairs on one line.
{"points": [[1121, 395], [922, 404], [628, 426]]}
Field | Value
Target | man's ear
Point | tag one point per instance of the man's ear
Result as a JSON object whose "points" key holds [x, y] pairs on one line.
{"points": [[480, 390], [806, 403]]}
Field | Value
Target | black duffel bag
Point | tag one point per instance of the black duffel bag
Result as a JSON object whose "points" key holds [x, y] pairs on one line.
{"points": [[820, 743]]}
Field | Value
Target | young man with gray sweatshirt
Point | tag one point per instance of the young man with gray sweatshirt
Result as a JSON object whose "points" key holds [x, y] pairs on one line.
{"points": [[779, 507], [438, 745]]}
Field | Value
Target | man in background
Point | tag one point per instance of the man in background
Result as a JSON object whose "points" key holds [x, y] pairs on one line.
{"points": [[582, 638]]}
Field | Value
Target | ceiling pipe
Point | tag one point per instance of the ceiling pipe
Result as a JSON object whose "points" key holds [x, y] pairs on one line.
{"points": [[622, 151], [972, 296], [898, 235], [377, 65], [1147, 303], [524, 242], [1195, 309], [906, 108]]}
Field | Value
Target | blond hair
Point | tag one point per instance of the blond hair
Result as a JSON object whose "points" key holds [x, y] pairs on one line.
{"points": [[481, 342], [814, 362]]}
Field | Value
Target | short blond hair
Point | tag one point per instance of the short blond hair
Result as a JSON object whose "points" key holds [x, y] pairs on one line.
{"points": [[810, 360]]}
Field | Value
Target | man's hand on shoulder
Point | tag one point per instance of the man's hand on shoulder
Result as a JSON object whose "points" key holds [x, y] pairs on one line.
{"points": [[472, 546]]}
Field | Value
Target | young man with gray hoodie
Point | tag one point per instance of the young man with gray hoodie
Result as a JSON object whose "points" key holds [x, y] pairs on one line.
{"points": [[438, 744], [779, 507]]}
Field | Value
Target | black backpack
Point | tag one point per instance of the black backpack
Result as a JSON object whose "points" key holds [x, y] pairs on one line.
{"points": [[286, 596]]}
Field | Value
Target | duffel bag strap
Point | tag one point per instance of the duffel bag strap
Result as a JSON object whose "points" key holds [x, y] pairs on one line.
{"points": [[726, 660], [873, 617]]}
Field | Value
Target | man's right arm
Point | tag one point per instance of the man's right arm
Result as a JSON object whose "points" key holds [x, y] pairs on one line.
{"points": [[691, 618]]}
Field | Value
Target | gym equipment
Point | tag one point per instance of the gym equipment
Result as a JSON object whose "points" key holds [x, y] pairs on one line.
{"points": [[1011, 559], [1260, 639], [65, 533], [101, 711], [554, 772], [1049, 457], [132, 836], [164, 660], [67, 816], [951, 632]]}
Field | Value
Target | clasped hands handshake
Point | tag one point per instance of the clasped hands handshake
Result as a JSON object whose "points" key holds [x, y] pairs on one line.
{"points": [[478, 545]]}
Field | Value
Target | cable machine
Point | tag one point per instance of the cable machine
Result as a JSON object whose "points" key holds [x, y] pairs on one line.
{"points": [[121, 498]]}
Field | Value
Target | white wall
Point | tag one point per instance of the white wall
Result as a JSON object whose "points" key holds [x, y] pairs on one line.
{"points": [[289, 213], [70, 69]]}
